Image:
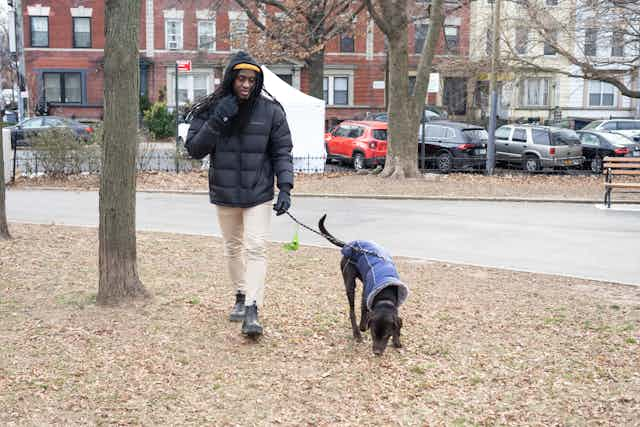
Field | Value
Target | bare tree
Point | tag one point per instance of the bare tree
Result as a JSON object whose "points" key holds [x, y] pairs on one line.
{"points": [[600, 39], [392, 17], [301, 29], [117, 233], [4, 228]]}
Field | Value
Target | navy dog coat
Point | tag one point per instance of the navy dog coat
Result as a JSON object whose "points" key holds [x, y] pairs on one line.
{"points": [[376, 269]]}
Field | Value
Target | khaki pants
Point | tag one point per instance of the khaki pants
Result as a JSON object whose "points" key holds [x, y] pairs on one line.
{"points": [[245, 232]]}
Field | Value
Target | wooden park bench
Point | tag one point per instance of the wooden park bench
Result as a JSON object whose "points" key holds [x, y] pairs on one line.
{"points": [[617, 167]]}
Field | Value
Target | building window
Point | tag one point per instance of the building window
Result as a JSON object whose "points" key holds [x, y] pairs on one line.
{"points": [[173, 34], [336, 90], [489, 42], [346, 43], [552, 2], [191, 86], [451, 37], [420, 36], [601, 94], [238, 30], [206, 35], [534, 92], [64, 88], [81, 32], [591, 42], [548, 45], [522, 40], [39, 31], [617, 43]]}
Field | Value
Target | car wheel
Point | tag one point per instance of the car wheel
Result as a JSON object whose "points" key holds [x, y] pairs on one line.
{"points": [[531, 164], [358, 161], [596, 165], [445, 162]]}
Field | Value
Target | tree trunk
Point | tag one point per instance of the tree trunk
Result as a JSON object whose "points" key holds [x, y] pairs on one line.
{"points": [[117, 232], [4, 227], [402, 149], [471, 94], [315, 64]]}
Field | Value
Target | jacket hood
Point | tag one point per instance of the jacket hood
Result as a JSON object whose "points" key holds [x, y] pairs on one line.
{"points": [[230, 74]]}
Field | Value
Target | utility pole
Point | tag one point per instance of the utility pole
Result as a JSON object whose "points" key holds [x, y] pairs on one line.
{"points": [[493, 110], [19, 45]]}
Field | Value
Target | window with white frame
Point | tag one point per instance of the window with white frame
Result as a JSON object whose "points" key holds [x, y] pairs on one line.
{"points": [[191, 86], [39, 31], [548, 44], [238, 30], [421, 32], [336, 89], [452, 38], [81, 32], [534, 92], [591, 41], [173, 34], [522, 40], [601, 94], [617, 42], [207, 35]]}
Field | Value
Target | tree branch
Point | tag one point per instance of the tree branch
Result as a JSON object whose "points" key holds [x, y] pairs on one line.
{"points": [[381, 23]]}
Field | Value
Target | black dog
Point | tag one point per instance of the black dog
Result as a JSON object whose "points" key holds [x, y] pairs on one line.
{"points": [[379, 307]]}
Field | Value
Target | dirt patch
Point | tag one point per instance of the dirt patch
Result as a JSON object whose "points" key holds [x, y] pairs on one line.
{"points": [[481, 346]]}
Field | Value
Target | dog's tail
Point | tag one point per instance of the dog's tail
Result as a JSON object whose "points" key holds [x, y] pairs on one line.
{"points": [[328, 235]]}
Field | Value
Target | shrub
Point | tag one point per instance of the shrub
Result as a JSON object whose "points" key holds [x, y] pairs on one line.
{"points": [[60, 151], [160, 122]]}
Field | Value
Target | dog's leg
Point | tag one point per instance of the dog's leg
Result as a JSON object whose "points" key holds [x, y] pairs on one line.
{"points": [[349, 274], [396, 334], [364, 313]]}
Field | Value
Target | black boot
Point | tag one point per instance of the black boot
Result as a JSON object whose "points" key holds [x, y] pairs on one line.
{"points": [[237, 314], [250, 326]]}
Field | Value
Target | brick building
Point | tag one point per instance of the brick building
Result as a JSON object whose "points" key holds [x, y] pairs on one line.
{"points": [[64, 50]]}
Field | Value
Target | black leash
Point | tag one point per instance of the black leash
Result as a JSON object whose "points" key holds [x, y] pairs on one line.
{"points": [[332, 239]]}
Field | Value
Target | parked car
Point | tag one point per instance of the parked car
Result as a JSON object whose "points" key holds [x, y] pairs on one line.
{"points": [[360, 143], [453, 145], [627, 127], [431, 112], [574, 123], [22, 132], [536, 147], [598, 144], [10, 116]]}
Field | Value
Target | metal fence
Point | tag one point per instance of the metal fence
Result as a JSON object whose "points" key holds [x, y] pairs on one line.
{"points": [[30, 163]]}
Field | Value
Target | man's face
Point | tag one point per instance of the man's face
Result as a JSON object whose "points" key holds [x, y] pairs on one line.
{"points": [[244, 83]]}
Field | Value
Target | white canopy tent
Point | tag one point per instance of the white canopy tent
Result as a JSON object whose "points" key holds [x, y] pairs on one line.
{"points": [[305, 115]]}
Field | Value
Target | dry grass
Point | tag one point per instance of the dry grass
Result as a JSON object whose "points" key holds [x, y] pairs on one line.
{"points": [[482, 346], [542, 186]]}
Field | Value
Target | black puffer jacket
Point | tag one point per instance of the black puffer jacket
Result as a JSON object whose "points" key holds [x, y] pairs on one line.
{"points": [[244, 163]]}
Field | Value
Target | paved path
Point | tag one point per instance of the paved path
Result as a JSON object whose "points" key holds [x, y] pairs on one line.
{"points": [[570, 239]]}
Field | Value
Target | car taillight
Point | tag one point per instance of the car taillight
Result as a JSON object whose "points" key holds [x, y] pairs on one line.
{"points": [[373, 145], [89, 130], [465, 146], [552, 150], [621, 151]]}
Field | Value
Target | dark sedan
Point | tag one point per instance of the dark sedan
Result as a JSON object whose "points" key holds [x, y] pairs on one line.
{"points": [[598, 144], [23, 132]]}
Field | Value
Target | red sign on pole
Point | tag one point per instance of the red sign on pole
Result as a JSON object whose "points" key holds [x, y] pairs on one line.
{"points": [[183, 65]]}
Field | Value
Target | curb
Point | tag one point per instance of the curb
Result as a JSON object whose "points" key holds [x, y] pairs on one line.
{"points": [[371, 197]]}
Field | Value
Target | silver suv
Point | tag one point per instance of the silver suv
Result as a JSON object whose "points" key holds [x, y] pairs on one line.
{"points": [[536, 147], [627, 127]]}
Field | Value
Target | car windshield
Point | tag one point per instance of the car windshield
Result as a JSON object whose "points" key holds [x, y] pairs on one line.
{"points": [[593, 125], [473, 135], [564, 137], [617, 139]]}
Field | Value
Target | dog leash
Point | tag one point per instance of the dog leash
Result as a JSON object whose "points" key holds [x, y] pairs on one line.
{"points": [[332, 239]]}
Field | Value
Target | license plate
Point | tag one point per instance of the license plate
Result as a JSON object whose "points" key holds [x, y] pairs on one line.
{"points": [[570, 162], [636, 154], [481, 151]]}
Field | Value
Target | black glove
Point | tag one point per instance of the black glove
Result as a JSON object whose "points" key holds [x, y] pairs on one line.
{"points": [[283, 204], [225, 110]]}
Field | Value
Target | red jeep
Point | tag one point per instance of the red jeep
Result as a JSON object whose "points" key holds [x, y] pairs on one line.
{"points": [[362, 143]]}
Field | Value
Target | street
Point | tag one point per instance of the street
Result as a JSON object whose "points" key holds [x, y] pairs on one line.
{"points": [[570, 239]]}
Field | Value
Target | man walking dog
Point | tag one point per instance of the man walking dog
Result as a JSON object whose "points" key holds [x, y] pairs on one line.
{"points": [[247, 137]]}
